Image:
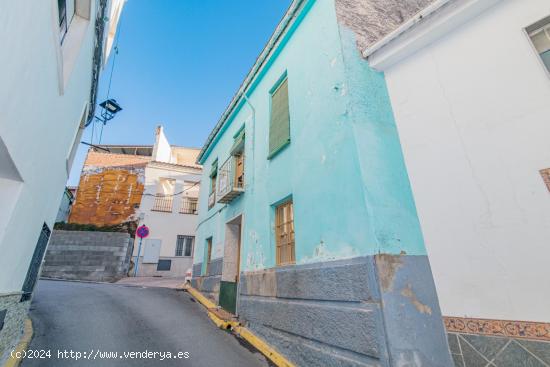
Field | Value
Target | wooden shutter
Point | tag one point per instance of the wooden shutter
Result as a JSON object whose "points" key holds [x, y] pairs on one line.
{"points": [[279, 127], [284, 234]]}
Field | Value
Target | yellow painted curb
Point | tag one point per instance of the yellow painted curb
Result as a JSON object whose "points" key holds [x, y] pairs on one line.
{"points": [[241, 331], [202, 299], [21, 347], [263, 347]]}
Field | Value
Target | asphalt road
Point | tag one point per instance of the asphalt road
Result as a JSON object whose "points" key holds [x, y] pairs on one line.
{"points": [[96, 318]]}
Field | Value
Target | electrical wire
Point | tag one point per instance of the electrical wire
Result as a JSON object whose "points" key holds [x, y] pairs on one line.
{"points": [[142, 194], [115, 49]]}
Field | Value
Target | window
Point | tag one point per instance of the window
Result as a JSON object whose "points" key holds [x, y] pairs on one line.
{"points": [[213, 176], [239, 171], [184, 246], [279, 125], [237, 151], [165, 195], [164, 265], [284, 233], [208, 254], [66, 10], [539, 33], [231, 173], [189, 205]]}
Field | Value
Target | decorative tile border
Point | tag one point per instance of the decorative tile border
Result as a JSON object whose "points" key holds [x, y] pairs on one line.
{"points": [[512, 329]]}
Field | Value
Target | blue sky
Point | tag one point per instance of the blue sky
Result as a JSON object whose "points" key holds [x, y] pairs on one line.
{"points": [[179, 64]]}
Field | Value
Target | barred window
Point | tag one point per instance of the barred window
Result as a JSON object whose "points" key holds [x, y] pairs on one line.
{"points": [[184, 245]]}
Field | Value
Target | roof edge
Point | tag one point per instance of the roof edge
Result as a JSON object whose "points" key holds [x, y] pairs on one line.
{"points": [[295, 7], [424, 28]]}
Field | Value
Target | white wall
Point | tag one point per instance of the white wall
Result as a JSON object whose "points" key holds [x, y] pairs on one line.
{"points": [[41, 112], [473, 113], [162, 152], [167, 226]]}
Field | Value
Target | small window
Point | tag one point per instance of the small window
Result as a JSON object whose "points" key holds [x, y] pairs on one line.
{"points": [[279, 125], [66, 10], [164, 265], [184, 246], [208, 254], [284, 233], [213, 177], [539, 33]]}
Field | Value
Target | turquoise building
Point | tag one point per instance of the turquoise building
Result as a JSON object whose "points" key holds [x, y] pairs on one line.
{"points": [[307, 226]]}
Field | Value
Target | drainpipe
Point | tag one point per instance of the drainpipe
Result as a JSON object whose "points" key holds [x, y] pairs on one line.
{"points": [[243, 234], [253, 130]]}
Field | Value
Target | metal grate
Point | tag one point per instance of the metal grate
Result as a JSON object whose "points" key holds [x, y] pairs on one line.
{"points": [[189, 205], [36, 261], [231, 179], [163, 204]]}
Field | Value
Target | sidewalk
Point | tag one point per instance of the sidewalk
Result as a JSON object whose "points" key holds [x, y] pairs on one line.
{"points": [[158, 282]]}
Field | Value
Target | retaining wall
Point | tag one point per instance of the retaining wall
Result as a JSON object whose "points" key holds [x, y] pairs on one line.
{"points": [[83, 255]]}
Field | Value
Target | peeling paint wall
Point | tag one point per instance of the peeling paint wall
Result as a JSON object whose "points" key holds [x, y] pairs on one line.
{"points": [[110, 189], [344, 160]]}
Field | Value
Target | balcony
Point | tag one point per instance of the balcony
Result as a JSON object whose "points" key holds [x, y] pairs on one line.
{"points": [[189, 206], [163, 204], [231, 179]]}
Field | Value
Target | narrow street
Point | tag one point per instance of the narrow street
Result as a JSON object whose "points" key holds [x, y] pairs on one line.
{"points": [[91, 319]]}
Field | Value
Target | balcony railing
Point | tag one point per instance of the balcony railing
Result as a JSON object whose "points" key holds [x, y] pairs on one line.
{"points": [[230, 183], [163, 204], [189, 206]]}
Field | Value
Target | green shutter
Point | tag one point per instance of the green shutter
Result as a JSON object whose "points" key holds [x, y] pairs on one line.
{"points": [[279, 126], [238, 144], [214, 169]]}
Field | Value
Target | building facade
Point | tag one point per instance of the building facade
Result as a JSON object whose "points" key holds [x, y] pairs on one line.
{"points": [[472, 110], [156, 185], [111, 185], [48, 85], [307, 226], [169, 208]]}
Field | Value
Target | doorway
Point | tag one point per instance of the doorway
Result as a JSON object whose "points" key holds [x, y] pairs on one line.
{"points": [[231, 265]]}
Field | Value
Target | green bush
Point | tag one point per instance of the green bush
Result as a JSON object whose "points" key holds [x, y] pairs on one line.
{"points": [[126, 227]]}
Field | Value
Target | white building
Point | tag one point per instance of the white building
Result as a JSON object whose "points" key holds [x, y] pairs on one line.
{"points": [[52, 53], [169, 208], [469, 82]]}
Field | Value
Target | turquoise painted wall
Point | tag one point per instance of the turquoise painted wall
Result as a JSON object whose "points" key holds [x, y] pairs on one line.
{"points": [[344, 167]]}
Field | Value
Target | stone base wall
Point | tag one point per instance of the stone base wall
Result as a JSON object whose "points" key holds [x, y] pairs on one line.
{"points": [[81, 255], [209, 284], [368, 311], [14, 315], [178, 267]]}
